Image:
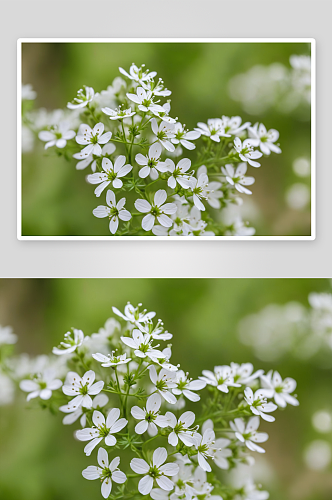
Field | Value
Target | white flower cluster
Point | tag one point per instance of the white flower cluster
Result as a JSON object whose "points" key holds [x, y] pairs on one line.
{"points": [[274, 86], [127, 395], [135, 147], [290, 328]]}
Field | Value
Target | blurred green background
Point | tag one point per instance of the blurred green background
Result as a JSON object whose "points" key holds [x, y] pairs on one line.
{"points": [[39, 460], [56, 198]]}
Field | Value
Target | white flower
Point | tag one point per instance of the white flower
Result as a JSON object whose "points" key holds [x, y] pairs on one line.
{"points": [[275, 387], [104, 429], [200, 191], [83, 98], [204, 448], [219, 450], [92, 138], [58, 136], [151, 163], [141, 344], [156, 88], [7, 336], [149, 416], [42, 385], [144, 100], [181, 428], [222, 378], [243, 374], [182, 136], [258, 404], [114, 211], [186, 386], [211, 190], [105, 472], [28, 94], [246, 432], [155, 471], [246, 151], [179, 173], [111, 359], [99, 401], [259, 136], [82, 388], [111, 174], [213, 129], [87, 158], [164, 382], [237, 177], [72, 341], [232, 126], [183, 483], [138, 74], [118, 114], [163, 133], [201, 488], [163, 112], [157, 211], [133, 314]]}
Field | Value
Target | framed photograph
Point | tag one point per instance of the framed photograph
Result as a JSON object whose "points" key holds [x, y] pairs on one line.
{"points": [[160, 138]]}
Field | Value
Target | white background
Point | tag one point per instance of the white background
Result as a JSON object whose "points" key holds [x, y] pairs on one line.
{"points": [[171, 18]]}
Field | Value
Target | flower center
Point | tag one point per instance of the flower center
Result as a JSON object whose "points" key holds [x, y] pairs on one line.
{"points": [[152, 162], [146, 103], [84, 390], [154, 472], [42, 385], [155, 211], [103, 430], [94, 139], [111, 175], [144, 347], [150, 417]]}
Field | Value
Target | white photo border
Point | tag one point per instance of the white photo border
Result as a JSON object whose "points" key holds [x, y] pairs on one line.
{"points": [[312, 43]]}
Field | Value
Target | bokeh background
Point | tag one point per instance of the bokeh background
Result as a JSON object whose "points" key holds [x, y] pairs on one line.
{"points": [[39, 460], [57, 200]]}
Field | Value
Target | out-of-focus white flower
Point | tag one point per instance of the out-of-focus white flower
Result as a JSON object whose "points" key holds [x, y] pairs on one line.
{"points": [[317, 455], [28, 94], [298, 196], [111, 359], [322, 421], [301, 167], [106, 472], [42, 385], [58, 136], [7, 390], [7, 336]]}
